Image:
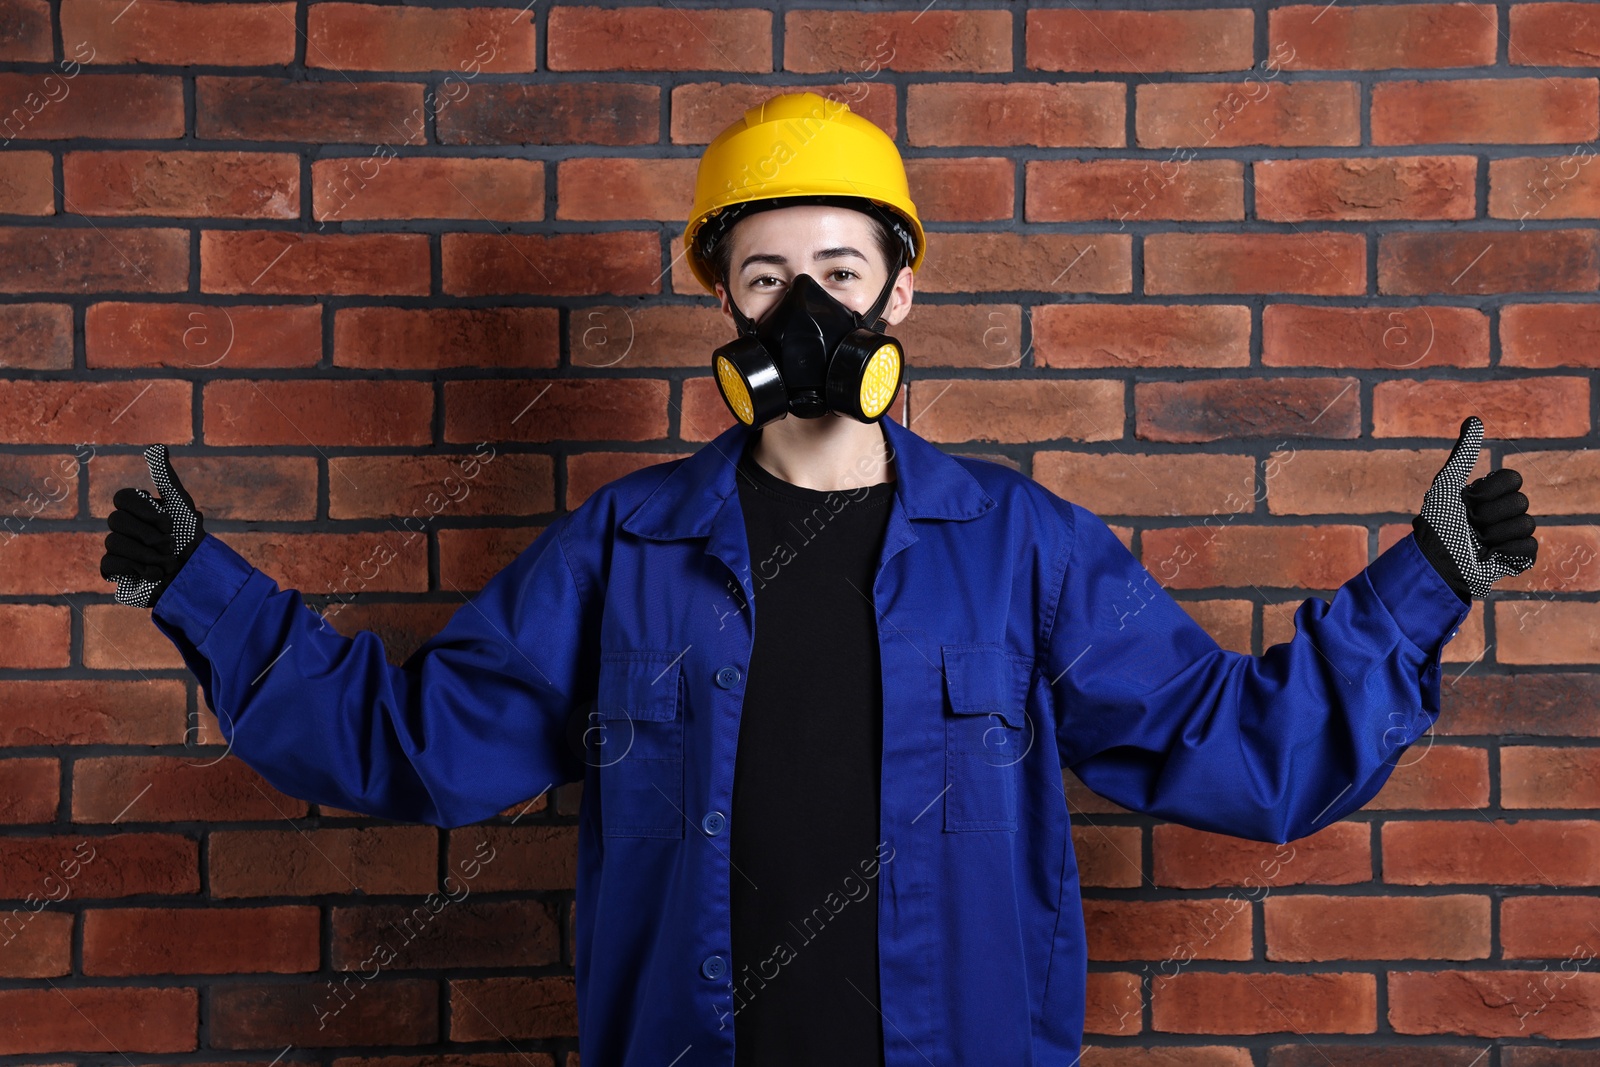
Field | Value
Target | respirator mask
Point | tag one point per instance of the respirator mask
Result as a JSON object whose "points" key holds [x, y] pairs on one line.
{"points": [[810, 355]]}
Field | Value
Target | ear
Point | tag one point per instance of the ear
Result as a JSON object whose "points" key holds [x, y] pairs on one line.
{"points": [[899, 297]]}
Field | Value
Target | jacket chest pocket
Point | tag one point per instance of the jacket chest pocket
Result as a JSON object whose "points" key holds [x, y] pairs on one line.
{"points": [[984, 737], [637, 744]]}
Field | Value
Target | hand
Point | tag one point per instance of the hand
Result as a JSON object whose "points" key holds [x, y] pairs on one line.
{"points": [[150, 539], [1477, 534]]}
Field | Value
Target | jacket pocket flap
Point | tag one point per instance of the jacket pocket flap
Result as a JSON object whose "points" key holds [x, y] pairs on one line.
{"points": [[641, 686], [979, 680]]}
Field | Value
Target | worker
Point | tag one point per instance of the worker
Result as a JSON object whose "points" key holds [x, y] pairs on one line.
{"points": [[819, 678]]}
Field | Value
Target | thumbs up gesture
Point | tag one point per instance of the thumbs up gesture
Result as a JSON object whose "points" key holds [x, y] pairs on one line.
{"points": [[1475, 534], [150, 539]]}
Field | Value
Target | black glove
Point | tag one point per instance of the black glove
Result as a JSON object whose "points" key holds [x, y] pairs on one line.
{"points": [[150, 539], [1476, 535]]}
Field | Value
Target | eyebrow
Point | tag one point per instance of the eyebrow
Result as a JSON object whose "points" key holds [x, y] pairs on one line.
{"points": [[838, 252]]}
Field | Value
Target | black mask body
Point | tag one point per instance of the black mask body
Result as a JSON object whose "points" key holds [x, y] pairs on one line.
{"points": [[810, 355]]}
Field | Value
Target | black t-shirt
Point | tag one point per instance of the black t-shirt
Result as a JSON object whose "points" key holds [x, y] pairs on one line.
{"points": [[807, 779]]}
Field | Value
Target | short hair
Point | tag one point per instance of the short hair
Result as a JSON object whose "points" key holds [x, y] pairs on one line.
{"points": [[721, 254]]}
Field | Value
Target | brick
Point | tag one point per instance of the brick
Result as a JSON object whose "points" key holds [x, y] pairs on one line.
{"points": [[1565, 563], [1215, 928], [1373, 37], [1108, 857], [1553, 927], [589, 471], [1431, 776], [477, 40], [1549, 335], [1544, 187], [1044, 115], [40, 949], [38, 638], [469, 558], [119, 637], [1542, 110], [1303, 1053], [1500, 261], [1123, 483], [701, 110], [1554, 35], [620, 187], [99, 867], [36, 336], [1213, 114], [432, 338], [1559, 632], [1262, 1003], [1310, 928], [364, 187], [1112, 1004], [1333, 481], [30, 787], [594, 113], [77, 712], [561, 264], [314, 264], [453, 931], [1141, 335], [26, 184], [61, 259], [132, 941], [1544, 704], [1125, 190], [490, 1009], [144, 106], [1296, 557], [659, 38], [972, 189], [324, 111], [174, 789], [1568, 481], [1495, 1003], [53, 564], [358, 1011], [982, 335], [37, 486], [118, 1019], [1227, 621], [1350, 189], [1546, 406], [1033, 262], [523, 859], [379, 859], [1539, 776], [225, 487], [1210, 410], [182, 34], [1339, 854], [1374, 338], [663, 335], [703, 415], [1016, 411], [823, 41], [1138, 41], [1516, 852], [415, 489], [593, 409], [202, 336], [27, 32], [1323, 263], [318, 412]]}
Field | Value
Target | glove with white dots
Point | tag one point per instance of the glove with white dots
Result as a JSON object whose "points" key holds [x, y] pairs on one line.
{"points": [[150, 539], [1476, 534]]}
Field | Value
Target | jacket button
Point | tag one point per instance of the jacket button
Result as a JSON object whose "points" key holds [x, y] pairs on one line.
{"points": [[728, 677], [713, 823], [713, 967]]}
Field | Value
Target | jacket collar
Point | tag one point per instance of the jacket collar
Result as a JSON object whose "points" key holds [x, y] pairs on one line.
{"points": [[928, 483]]}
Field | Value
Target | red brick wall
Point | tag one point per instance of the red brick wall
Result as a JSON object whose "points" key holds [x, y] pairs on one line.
{"points": [[331, 251]]}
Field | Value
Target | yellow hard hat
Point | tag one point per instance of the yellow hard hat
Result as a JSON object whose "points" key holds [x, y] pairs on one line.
{"points": [[800, 148]]}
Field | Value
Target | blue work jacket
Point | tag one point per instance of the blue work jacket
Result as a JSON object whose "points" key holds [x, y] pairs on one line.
{"points": [[1016, 634]]}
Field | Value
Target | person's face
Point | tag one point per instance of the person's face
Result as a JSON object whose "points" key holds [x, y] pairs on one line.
{"points": [[832, 244]]}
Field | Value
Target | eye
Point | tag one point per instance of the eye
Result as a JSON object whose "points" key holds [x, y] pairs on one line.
{"points": [[755, 283]]}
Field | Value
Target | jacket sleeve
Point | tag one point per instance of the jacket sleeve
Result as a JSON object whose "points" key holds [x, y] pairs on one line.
{"points": [[473, 722], [1153, 714]]}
